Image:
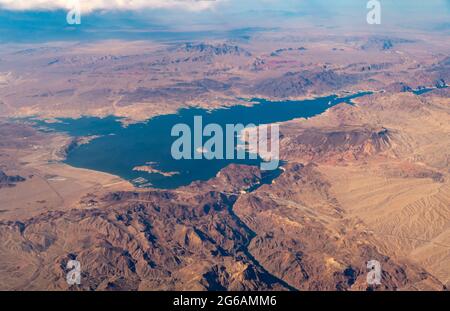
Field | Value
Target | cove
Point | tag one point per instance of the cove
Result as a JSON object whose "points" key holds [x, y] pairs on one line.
{"points": [[120, 150]]}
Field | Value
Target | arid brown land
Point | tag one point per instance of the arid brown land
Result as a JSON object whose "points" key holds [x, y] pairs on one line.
{"points": [[368, 181]]}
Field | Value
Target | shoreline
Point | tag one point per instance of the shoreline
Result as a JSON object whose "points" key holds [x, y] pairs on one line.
{"points": [[70, 142]]}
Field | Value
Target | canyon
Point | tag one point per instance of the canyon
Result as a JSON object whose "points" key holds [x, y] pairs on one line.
{"points": [[365, 180]]}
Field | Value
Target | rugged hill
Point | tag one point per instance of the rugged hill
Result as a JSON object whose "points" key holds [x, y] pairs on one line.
{"points": [[367, 181], [348, 194], [295, 84], [192, 239]]}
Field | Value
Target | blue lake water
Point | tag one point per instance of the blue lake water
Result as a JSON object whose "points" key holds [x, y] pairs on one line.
{"points": [[422, 91], [120, 149], [427, 89]]}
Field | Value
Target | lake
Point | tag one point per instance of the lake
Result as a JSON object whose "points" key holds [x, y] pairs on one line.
{"points": [[118, 150]]}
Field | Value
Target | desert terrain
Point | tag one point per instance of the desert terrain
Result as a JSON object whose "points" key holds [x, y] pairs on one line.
{"points": [[360, 182]]}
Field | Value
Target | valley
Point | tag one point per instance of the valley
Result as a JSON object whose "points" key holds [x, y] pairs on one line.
{"points": [[363, 178]]}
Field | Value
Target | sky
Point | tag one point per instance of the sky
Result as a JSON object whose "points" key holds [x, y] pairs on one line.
{"points": [[45, 20]]}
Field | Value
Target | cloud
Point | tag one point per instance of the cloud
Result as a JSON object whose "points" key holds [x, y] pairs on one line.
{"points": [[91, 5]]}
